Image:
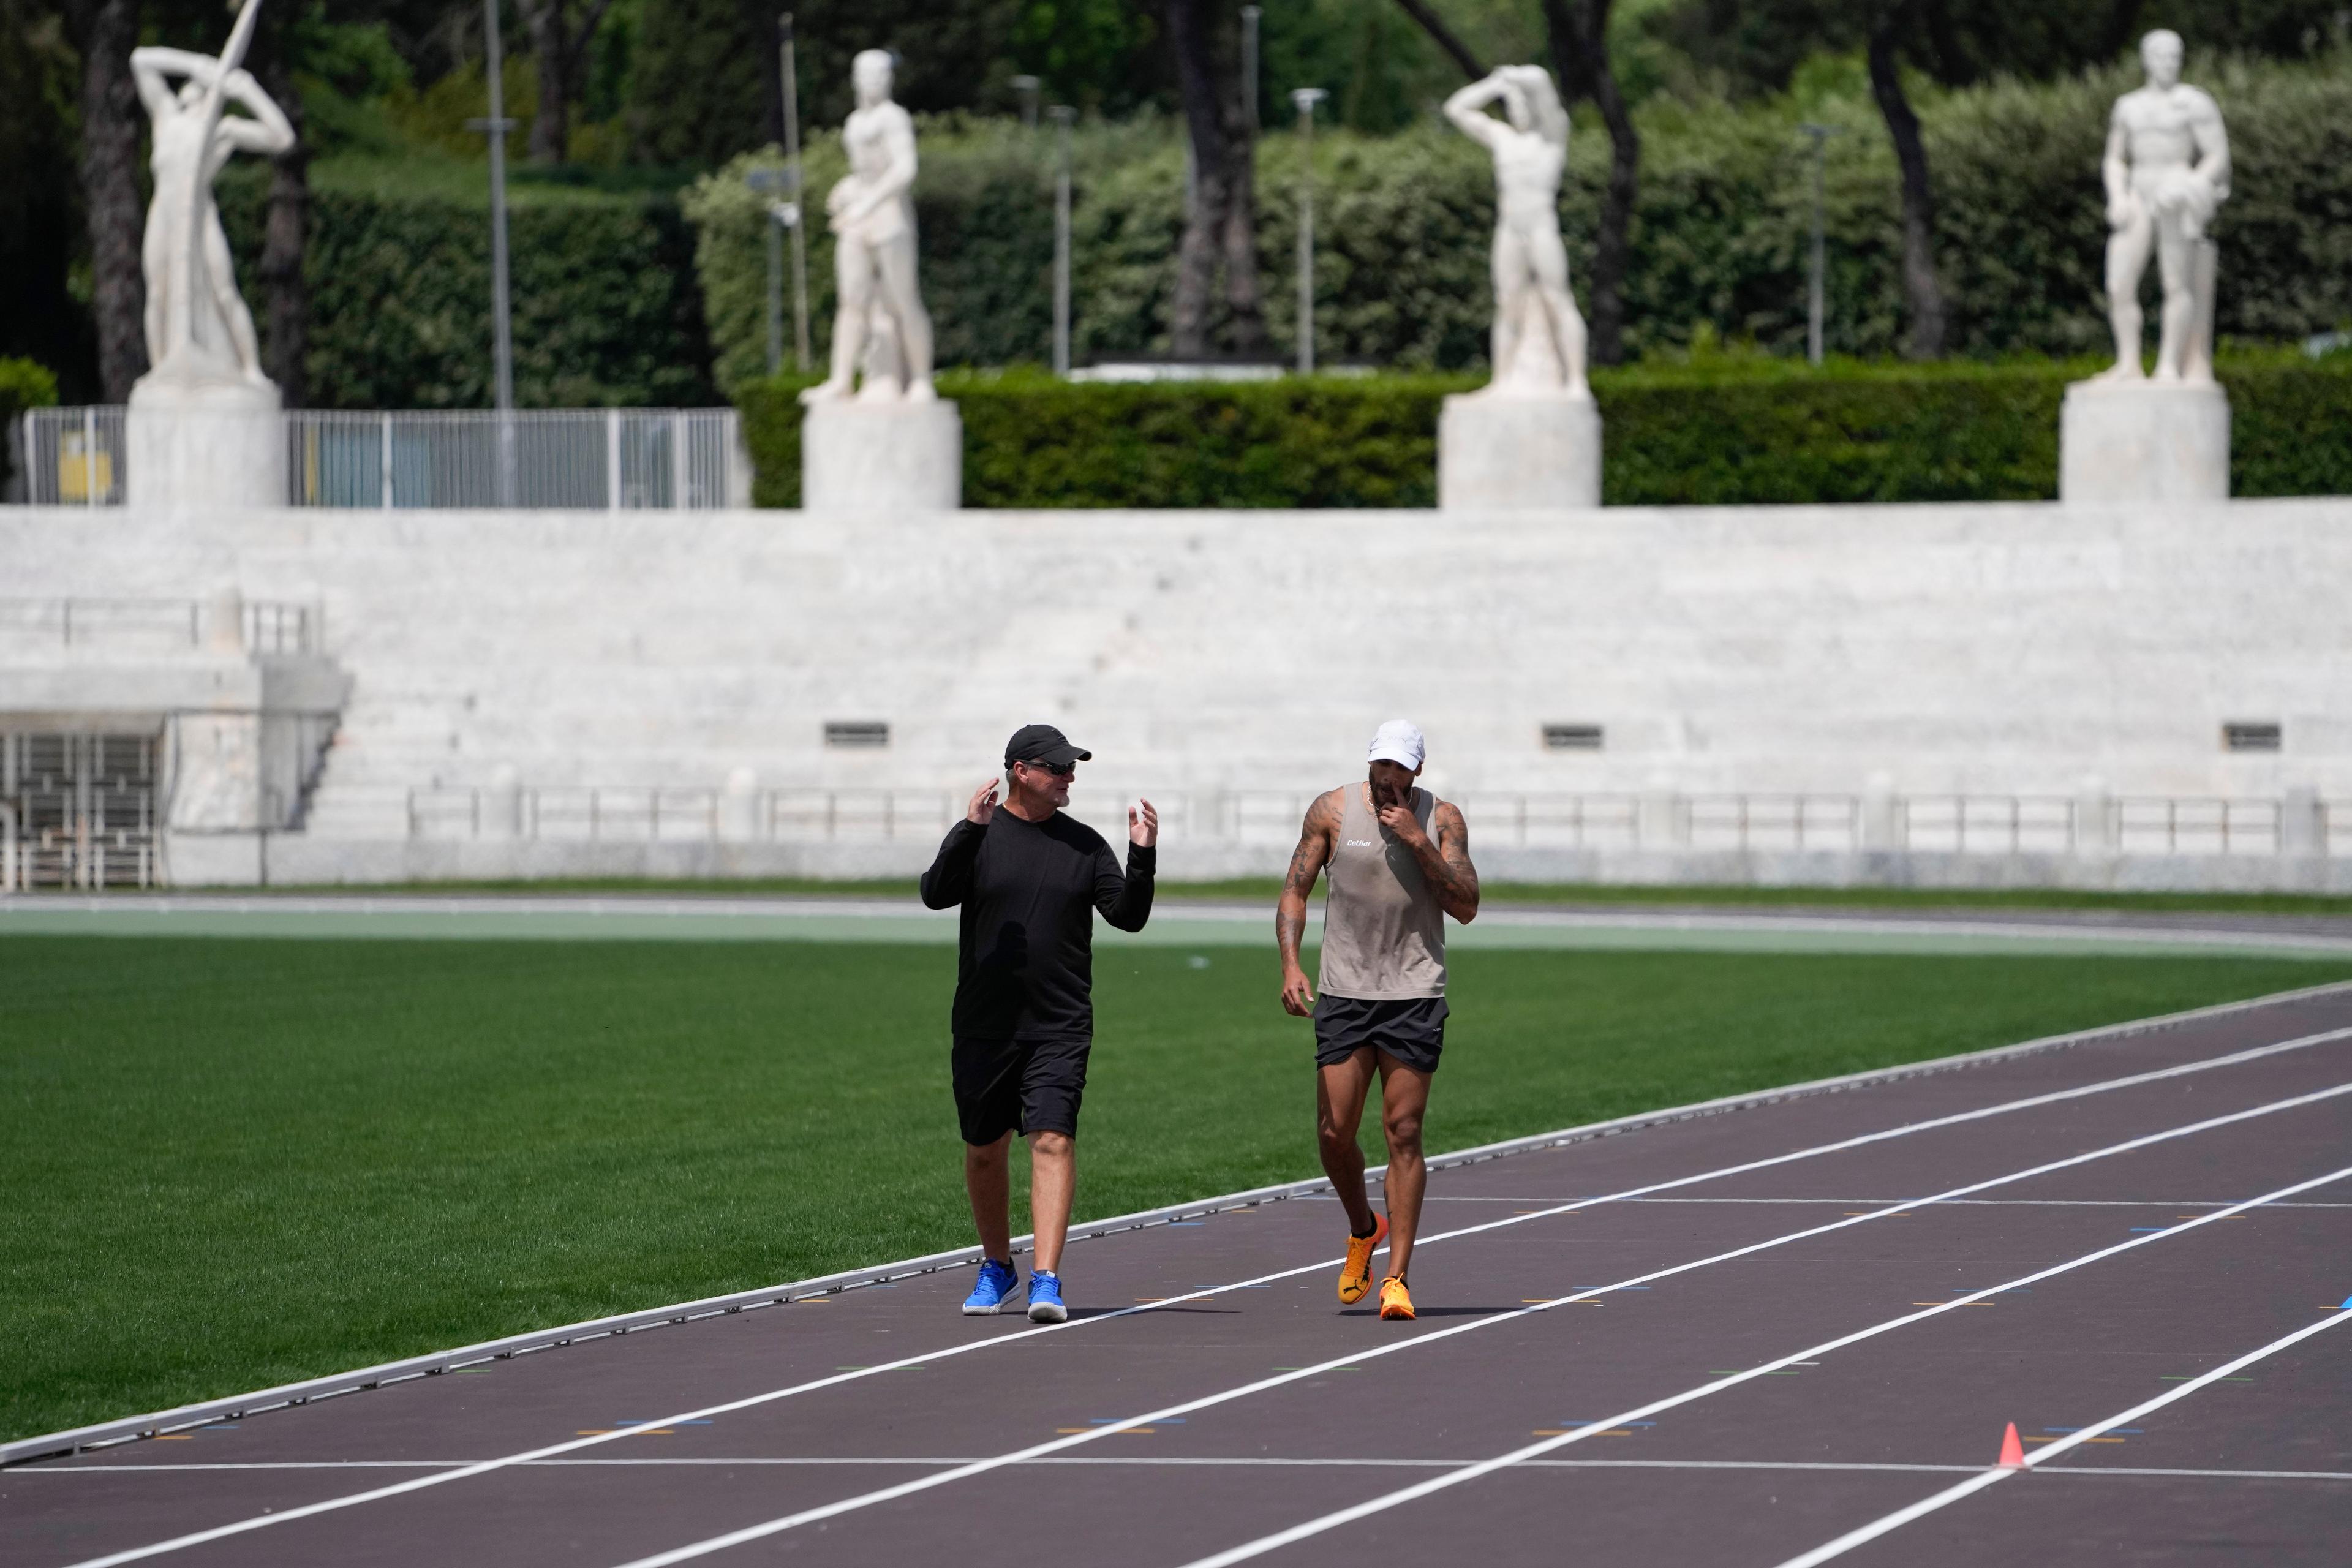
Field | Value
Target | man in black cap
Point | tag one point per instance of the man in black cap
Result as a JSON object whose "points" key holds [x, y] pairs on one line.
{"points": [[1029, 879]]}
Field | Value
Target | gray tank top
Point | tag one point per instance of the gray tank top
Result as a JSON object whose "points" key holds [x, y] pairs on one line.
{"points": [[1383, 934]]}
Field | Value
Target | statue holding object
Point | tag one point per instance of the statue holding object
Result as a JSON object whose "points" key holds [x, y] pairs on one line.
{"points": [[1538, 335], [197, 326], [872, 215], [203, 427], [2167, 171]]}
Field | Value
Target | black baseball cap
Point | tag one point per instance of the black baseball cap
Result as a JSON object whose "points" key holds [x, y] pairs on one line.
{"points": [[1042, 743]]}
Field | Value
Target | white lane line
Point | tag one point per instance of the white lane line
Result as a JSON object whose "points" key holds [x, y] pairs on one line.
{"points": [[553, 1450], [185, 1417], [1967, 1202], [1133, 1461], [1345, 1516], [1983, 1479], [1110, 1428]]}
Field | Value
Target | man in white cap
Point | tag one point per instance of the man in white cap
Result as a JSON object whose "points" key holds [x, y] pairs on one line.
{"points": [[1399, 862]]}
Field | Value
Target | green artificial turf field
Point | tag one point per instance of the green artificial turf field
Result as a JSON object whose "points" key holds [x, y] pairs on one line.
{"points": [[233, 1163]]}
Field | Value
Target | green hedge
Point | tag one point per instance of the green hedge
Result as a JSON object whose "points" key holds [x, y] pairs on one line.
{"points": [[1736, 432], [1719, 241], [22, 384], [606, 308]]}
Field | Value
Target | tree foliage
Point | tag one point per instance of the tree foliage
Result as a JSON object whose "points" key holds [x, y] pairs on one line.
{"points": [[605, 309]]}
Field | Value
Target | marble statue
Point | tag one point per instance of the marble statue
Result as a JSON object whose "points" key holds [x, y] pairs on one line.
{"points": [[204, 428], [872, 215], [2167, 170], [1539, 337], [197, 326]]}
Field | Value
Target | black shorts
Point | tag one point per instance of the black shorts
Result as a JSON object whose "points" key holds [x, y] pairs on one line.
{"points": [[1412, 1029], [1018, 1085]]}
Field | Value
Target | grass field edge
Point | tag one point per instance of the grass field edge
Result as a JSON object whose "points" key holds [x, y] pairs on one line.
{"points": [[130, 1429]]}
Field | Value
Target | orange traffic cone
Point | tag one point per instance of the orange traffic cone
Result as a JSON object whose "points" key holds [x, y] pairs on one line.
{"points": [[2012, 1452]]}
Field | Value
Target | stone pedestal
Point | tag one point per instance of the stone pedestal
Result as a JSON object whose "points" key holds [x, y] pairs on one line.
{"points": [[2144, 441], [882, 456], [204, 444], [1518, 453]]}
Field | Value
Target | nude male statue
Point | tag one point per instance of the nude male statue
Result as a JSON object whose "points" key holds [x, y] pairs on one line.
{"points": [[873, 220], [1538, 336], [2167, 170], [184, 160]]}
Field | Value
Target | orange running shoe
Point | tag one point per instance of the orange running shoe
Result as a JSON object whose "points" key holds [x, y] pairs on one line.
{"points": [[1356, 1274], [1396, 1301]]}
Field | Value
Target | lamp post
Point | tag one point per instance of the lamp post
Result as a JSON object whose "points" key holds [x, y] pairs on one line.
{"points": [[781, 211], [1307, 98], [1816, 292], [1249, 14], [1026, 86], [1063, 114], [501, 325], [793, 174]]}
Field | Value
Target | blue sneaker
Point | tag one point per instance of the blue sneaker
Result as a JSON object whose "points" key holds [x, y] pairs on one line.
{"points": [[1045, 1297], [996, 1283]]}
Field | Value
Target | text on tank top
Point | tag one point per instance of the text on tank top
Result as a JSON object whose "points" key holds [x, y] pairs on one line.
{"points": [[1384, 933]]}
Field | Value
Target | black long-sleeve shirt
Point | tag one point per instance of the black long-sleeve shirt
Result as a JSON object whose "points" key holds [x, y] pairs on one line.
{"points": [[1025, 962]]}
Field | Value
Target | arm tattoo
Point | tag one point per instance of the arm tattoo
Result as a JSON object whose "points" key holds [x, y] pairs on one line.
{"points": [[1446, 863], [1306, 864]]}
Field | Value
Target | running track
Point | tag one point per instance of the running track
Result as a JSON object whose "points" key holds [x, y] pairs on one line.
{"points": [[1785, 1336]]}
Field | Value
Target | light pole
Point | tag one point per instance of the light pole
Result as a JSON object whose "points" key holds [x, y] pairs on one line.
{"points": [[778, 214], [793, 174], [1249, 14], [501, 326], [1026, 86], [1307, 98], [1063, 114], [1816, 292]]}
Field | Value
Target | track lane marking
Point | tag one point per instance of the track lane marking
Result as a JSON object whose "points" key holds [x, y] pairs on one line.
{"points": [[398, 1489], [1333, 1521], [887, 1494], [1246, 1461], [1976, 1203], [465, 1361], [1889, 1523]]}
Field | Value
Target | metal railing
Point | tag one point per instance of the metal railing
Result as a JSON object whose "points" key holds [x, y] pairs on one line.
{"points": [[73, 456], [653, 813], [266, 626], [1774, 822], [601, 460], [2211, 826], [80, 810], [1985, 825], [1552, 821], [1948, 824]]}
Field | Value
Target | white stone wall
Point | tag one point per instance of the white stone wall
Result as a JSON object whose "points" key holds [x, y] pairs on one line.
{"points": [[1980, 649]]}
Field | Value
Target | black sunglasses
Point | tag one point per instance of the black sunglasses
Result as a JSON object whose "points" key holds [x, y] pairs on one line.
{"points": [[1059, 770]]}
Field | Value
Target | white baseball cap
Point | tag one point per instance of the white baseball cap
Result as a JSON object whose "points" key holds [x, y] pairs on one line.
{"points": [[1398, 740]]}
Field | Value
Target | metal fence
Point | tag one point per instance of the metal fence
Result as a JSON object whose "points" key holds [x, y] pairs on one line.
{"points": [[600, 459], [1967, 825], [1987, 824], [266, 626], [77, 810], [73, 456], [2201, 827]]}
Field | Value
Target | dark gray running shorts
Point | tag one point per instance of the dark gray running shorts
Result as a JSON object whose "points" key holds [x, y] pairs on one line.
{"points": [[1413, 1030], [1018, 1085]]}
